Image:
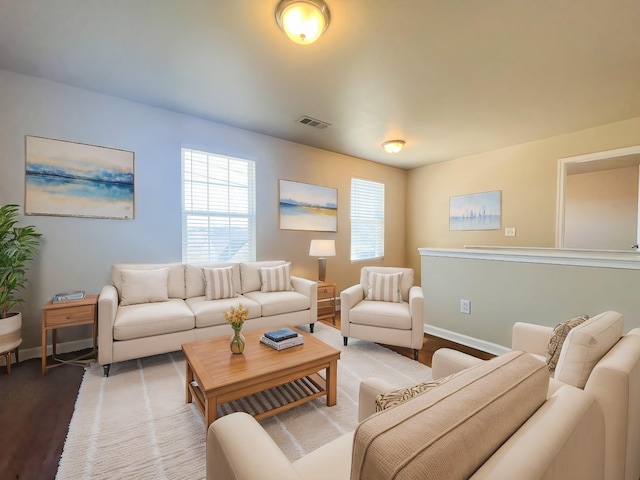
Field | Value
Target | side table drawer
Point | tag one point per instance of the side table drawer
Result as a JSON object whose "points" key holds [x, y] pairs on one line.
{"points": [[325, 292], [75, 314]]}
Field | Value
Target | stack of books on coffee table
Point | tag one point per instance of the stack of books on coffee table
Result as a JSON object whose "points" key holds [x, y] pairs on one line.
{"points": [[282, 338]]}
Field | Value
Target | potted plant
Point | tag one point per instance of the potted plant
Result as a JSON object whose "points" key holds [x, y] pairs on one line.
{"points": [[18, 248]]}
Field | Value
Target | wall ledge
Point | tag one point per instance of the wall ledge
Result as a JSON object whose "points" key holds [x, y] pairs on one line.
{"points": [[626, 260]]}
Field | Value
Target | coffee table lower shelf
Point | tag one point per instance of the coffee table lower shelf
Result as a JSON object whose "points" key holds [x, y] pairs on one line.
{"points": [[267, 402]]}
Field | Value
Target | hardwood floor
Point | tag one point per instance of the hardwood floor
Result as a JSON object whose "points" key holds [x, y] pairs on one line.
{"points": [[35, 410]]}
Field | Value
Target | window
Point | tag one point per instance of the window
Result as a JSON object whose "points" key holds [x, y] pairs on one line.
{"points": [[218, 208], [367, 220]]}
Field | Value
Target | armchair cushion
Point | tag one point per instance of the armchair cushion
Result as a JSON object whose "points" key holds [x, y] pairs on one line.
{"points": [[405, 284], [559, 335], [585, 345], [384, 287], [381, 314]]}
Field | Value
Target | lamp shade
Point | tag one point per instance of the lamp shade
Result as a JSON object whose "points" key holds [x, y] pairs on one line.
{"points": [[322, 248], [303, 20]]}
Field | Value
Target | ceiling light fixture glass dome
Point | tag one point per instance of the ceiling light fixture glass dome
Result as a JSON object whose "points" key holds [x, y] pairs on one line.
{"points": [[303, 20], [393, 146]]}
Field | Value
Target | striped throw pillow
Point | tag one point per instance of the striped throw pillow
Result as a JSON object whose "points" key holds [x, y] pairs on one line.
{"points": [[276, 279], [384, 287], [218, 283]]}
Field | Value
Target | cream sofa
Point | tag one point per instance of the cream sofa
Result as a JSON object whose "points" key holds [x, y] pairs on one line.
{"points": [[154, 308], [493, 421], [598, 358]]}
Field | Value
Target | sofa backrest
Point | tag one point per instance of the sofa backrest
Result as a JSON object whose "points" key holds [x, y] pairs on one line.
{"points": [[194, 277], [405, 284], [175, 281], [450, 431]]}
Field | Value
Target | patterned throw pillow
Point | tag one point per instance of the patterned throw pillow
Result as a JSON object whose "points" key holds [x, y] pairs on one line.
{"points": [[396, 397], [276, 279], [384, 287], [218, 283], [557, 338]]}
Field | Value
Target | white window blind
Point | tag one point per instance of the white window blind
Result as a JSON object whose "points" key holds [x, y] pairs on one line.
{"points": [[218, 208], [367, 220]]}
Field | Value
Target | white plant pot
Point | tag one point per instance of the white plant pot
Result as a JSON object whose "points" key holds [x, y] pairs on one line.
{"points": [[10, 332]]}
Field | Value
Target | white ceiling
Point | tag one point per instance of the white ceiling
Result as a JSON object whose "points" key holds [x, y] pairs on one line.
{"points": [[451, 77]]}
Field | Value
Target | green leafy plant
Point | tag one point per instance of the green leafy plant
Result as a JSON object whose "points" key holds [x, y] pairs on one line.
{"points": [[18, 247]]}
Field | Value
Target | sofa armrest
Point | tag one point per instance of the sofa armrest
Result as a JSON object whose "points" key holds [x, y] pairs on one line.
{"points": [[107, 308], [239, 448], [349, 298], [310, 289], [370, 388], [531, 338], [446, 361]]}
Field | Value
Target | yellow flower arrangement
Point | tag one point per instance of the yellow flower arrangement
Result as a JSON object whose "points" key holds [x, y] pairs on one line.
{"points": [[237, 316]]}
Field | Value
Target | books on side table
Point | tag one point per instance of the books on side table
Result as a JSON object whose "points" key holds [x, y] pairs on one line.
{"points": [[282, 338], [68, 296]]}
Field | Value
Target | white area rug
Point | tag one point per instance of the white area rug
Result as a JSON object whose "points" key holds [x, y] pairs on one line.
{"points": [[135, 423]]}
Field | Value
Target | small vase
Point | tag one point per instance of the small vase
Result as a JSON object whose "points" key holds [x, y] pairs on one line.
{"points": [[237, 341]]}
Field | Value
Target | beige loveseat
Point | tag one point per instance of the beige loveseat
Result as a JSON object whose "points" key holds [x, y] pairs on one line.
{"points": [[492, 421], [598, 358], [154, 308]]}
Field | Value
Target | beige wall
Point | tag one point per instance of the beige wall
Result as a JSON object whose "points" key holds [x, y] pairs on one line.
{"points": [[601, 209], [527, 176]]}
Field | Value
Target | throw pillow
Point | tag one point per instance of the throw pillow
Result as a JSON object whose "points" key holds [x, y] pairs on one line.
{"points": [[384, 287], [144, 286], [396, 397], [276, 279], [557, 338], [218, 283]]}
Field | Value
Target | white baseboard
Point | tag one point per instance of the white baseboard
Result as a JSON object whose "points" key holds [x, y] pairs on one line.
{"points": [[472, 342], [36, 352]]}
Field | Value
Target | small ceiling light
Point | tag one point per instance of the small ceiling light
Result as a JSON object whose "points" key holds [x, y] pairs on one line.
{"points": [[393, 146], [303, 20]]}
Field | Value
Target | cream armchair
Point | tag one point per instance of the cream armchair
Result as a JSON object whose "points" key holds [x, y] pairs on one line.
{"points": [[385, 307]]}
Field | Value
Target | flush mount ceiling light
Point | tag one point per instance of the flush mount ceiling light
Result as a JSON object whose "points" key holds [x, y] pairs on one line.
{"points": [[303, 20], [393, 146]]}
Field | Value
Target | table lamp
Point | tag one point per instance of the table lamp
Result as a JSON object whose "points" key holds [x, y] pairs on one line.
{"points": [[322, 249]]}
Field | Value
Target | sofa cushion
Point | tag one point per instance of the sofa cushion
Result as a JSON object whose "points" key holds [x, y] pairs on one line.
{"points": [[384, 287], [250, 274], [405, 284], [149, 319], [209, 313], [275, 303], [585, 345], [144, 286], [194, 277], [450, 431], [557, 338], [218, 283], [275, 279], [381, 314], [175, 283]]}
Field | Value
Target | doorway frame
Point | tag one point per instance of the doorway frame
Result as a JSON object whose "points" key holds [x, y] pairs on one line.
{"points": [[562, 182]]}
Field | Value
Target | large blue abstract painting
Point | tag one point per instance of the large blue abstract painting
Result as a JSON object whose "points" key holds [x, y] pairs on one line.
{"points": [[476, 211], [308, 207], [73, 179]]}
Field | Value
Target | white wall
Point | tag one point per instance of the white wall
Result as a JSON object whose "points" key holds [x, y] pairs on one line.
{"points": [[77, 253]]}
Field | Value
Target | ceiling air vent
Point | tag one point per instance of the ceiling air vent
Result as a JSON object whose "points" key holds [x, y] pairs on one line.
{"points": [[312, 122]]}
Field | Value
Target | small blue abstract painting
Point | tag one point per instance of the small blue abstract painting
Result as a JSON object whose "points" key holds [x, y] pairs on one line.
{"points": [[308, 207], [476, 211], [73, 179]]}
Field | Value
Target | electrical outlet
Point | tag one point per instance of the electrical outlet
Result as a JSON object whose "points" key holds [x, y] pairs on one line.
{"points": [[510, 232], [465, 306]]}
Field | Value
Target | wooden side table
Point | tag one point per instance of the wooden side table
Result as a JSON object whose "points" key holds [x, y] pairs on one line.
{"points": [[327, 301], [68, 314]]}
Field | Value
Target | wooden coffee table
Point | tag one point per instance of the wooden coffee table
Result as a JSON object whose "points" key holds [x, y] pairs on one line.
{"points": [[261, 381]]}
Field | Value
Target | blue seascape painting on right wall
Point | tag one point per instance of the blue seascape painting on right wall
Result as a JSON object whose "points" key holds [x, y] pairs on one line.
{"points": [[476, 211]]}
